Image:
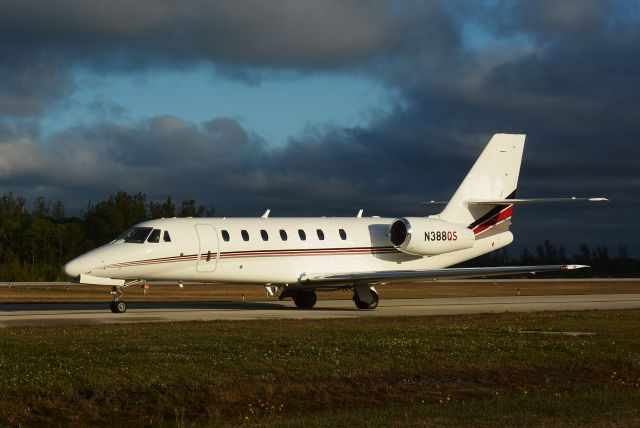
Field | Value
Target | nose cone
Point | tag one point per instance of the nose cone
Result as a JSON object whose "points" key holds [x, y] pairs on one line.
{"points": [[88, 262], [74, 268]]}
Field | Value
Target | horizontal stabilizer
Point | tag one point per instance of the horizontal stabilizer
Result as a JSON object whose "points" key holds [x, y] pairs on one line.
{"points": [[531, 201], [428, 275]]}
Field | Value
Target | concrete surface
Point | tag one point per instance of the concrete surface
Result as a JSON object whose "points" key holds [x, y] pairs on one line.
{"points": [[45, 314]]}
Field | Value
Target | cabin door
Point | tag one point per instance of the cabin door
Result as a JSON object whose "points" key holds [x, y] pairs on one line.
{"points": [[209, 251]]}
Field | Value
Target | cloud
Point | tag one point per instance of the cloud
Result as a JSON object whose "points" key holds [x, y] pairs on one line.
{"points": [[161, 155], [403, 42], [280, 33], [43, 41], [29, 83], [334, 169], [569, 18]]}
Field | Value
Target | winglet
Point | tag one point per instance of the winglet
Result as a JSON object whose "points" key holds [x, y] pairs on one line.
{"points": [[572, 267], [434, 202]]}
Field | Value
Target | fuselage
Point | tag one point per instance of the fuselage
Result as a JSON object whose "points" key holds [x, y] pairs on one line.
{"points": [[260, 250]]}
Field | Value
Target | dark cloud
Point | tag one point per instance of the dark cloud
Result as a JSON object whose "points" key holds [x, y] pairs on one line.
{"points": [[28, 83], [426, 28], [546, 21], [331, 171], [159, 155], [280, 33], [244, 40], [41, 41], [568, 18]]}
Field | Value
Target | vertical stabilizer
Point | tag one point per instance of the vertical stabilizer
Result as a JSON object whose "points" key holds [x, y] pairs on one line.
{"points": [[494, 176]]}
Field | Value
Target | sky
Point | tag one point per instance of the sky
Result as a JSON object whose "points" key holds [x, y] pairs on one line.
{"points": [[324, 107]]}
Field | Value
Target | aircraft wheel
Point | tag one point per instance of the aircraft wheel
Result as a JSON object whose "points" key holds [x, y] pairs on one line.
{"points": [[305, 299], [118, 307], [364, 305]]}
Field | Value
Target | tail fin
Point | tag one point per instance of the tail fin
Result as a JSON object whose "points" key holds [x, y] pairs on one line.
{"points": [[493, 177]]}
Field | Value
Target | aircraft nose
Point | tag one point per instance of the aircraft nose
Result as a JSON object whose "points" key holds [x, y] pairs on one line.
{"points": [[73, 268]]}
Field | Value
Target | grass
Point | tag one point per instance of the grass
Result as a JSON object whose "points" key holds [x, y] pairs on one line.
{"points": [[590, 408], [423, 371], [212, 292]]}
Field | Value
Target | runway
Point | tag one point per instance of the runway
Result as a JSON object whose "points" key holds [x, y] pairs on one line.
{"points": [[47, 314]]}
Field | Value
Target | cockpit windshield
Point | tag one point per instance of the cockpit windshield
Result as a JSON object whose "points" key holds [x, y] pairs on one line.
{"points": [[155, 236], [136, 235]]}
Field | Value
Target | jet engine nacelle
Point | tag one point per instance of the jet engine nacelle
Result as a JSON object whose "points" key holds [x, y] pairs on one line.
{"points": [[429, 236]]}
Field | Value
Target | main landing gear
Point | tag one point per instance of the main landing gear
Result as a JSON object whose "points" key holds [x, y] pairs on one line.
{"points": [[117, 305], [365, 297], [305, 299]]}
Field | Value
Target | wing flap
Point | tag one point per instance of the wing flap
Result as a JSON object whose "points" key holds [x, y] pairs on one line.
{"points": [[427, 275]]}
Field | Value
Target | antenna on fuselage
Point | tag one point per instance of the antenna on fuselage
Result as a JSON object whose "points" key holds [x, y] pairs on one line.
{"points": [[266, 214], [359, 215]]}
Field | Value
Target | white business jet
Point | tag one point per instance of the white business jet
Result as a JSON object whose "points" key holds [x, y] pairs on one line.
{"points": [[296, 257]]}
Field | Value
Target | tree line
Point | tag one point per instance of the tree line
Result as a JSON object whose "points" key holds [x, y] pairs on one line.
{"points": [[602, 263], [37, 240]]}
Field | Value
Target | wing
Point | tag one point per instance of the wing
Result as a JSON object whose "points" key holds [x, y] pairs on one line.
{"points": [[426, 275]]}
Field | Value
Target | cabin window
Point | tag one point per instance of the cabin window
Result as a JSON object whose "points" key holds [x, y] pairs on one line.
{"points": [[343, 234], [225, 236], [320, 234], [302, 235], [166, 236], [154, 237], [283, 234], [245, 235], [137, 235], [264, 234]]}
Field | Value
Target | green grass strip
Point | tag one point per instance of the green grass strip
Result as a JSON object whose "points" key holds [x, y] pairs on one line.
{"points": [[445, 371]]}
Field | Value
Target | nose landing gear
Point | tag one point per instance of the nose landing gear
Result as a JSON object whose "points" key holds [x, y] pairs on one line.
{"points": [[117, 305]]}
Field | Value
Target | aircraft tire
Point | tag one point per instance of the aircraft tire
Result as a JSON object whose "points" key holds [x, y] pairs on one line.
{"points": [[305, 299], [118, 307], [363, 305]]}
